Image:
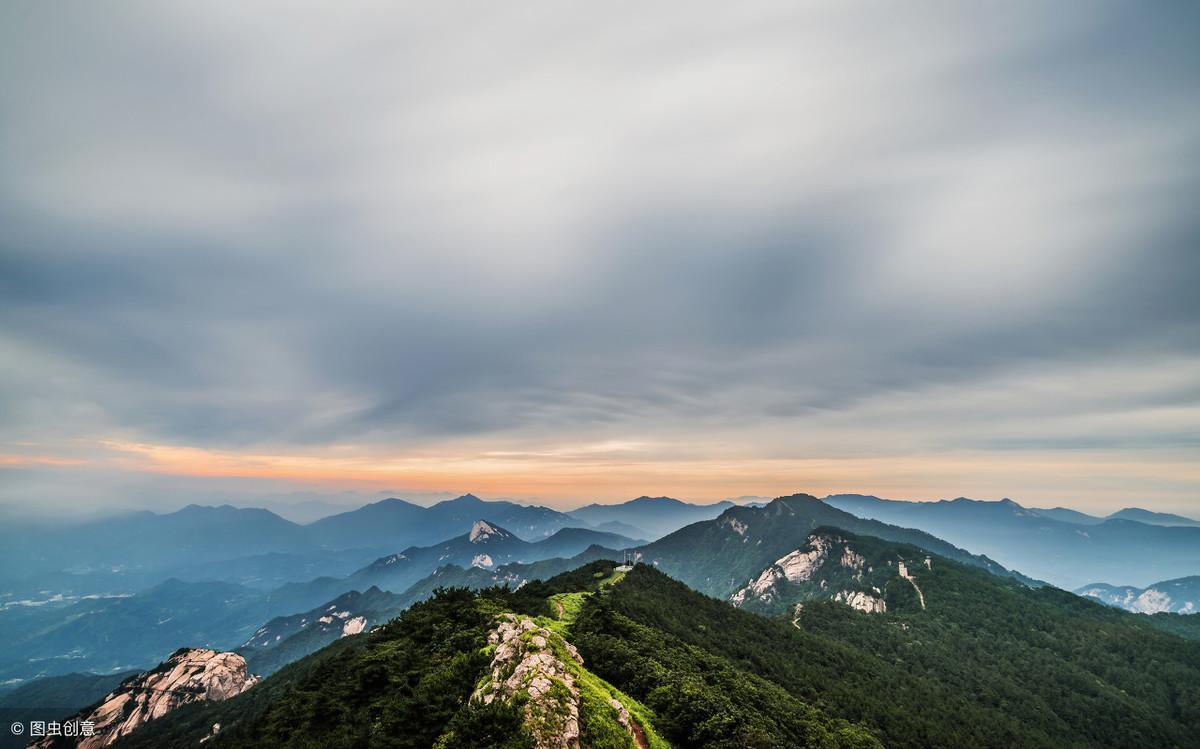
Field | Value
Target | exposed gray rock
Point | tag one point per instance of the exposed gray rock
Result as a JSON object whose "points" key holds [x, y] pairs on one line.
{"points": [[861, 601], [189, 675], [525, 664]]}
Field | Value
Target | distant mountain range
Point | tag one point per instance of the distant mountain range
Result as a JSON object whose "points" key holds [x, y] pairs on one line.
{"points": [[259, 549], [256, 547], [146, 542], [742, 543], [396, 523], [1136, 514], [113, 633], [485, 545], [142, 546], [654, 517], [140, 585], [1180, 596], [1045, 544]]}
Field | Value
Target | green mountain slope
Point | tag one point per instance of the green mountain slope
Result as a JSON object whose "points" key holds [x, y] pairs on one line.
{"points": [[423, 680], [863, 572], [719, 556], [409, 684], [987, 662]]}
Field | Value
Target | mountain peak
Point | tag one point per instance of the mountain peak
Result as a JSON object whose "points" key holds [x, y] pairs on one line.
{"points": [[393, 502], [483, 531], [1151, 517], [645, 500], [797, 498]]}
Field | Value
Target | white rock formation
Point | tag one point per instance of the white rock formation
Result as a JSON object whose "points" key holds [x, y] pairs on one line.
{"points": [[852, 559], [738, 526], [862, 601], [189, 675], [354, 626], [798, 566], [481, 531], [1151, 601]]}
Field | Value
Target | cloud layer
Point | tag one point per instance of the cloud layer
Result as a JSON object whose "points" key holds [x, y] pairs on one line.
{"points": [[958, 242]]}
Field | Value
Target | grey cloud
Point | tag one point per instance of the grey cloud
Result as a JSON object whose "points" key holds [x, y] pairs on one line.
{"points": [[228, 229]]}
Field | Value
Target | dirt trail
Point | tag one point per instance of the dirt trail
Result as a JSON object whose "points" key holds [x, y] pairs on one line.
{"points": [[561, 611], [639, 736]]}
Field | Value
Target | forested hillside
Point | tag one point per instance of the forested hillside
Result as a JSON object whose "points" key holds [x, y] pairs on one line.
{"points": [[988, 662]]}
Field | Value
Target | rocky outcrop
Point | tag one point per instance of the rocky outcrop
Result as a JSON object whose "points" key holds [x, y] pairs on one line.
{"points": [[189, 675], [733, 523], [861, 601], [525, 665], [482, 531], [1181, 596], [798, 566], [852, 559]]}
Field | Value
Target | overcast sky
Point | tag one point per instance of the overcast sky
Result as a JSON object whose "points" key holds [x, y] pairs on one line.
{"points": [[568, 252]]}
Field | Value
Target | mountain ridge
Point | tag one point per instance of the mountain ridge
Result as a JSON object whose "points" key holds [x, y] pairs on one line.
{"points": [[655, 516], [744, 540], [1040, 544]]}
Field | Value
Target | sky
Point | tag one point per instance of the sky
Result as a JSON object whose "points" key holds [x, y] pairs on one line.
{"points": [[572, 252]]}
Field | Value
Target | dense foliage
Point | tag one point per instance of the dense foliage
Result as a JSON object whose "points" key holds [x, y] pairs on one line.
{"points": [[701, 698], [1183, 625], [397, 687], [991, 663]]}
